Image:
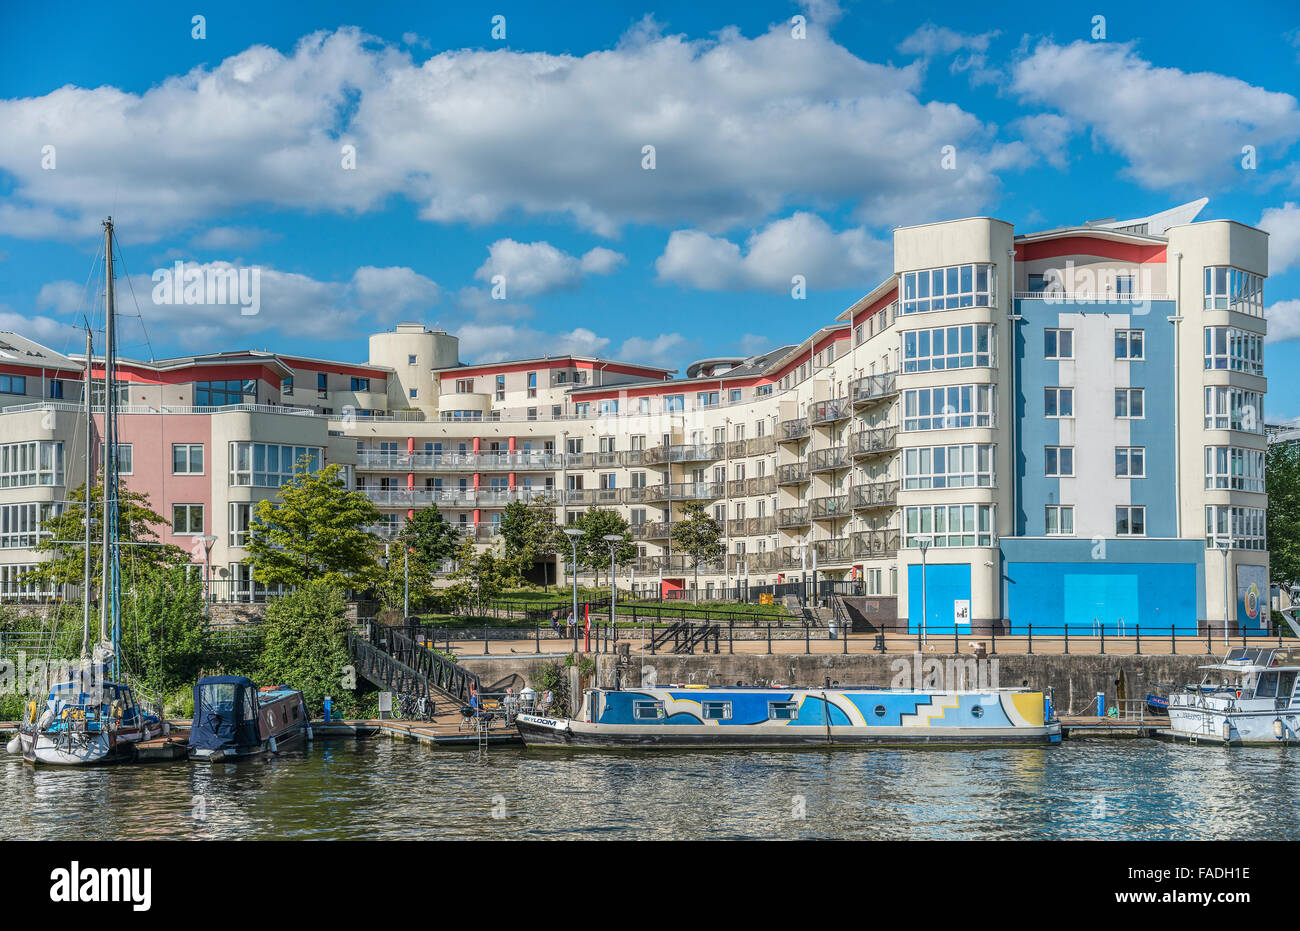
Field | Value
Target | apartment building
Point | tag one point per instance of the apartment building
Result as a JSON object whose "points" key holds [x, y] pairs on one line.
{"points": [[1062, 426]]}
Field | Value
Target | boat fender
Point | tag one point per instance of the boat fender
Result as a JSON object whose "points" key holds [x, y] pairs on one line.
{"points": [[31, 712], [166, 727], [1227, 731], [14, 746], [310, 735], [46, 719], [1279, 729], [274, 747]]}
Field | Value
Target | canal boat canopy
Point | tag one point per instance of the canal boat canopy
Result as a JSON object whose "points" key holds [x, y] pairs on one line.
{"points": [[225, 714]]}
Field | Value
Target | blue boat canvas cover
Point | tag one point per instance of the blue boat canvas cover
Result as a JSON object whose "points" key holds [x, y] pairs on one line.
{"points": [[225, 713]]}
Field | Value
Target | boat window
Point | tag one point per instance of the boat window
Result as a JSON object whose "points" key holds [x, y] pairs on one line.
{"points": [[250, 711], [647, 710], [1286, 684], [716, 710], [219, 697], [782, 710], [880, 711], [977, 711], [1267, 687]]}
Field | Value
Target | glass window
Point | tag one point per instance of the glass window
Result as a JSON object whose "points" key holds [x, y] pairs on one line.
{"points": [[786, 710], [1130, 462], [715, 710], [1129, 344], [1130, 521], [1058, 344], [648, 710], [1059, 520], [1058, 402], [949, 288], [1058, 460], [1129, 403], [187, 519], [187, 458]]}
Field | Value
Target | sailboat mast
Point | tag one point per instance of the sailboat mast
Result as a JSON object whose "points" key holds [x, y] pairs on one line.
{"points": [[90, 484], [109, 440]]}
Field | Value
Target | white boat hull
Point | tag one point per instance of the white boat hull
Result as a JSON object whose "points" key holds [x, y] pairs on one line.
{"points": [[1259, 727], [84, 749]]}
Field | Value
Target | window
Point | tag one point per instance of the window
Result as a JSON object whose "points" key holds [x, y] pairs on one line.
{"points": [[359, 384], [13, 384], [784, 710], [608, 406], [949, 288], [20, 524], [286, 386], [674, 402], [1231, 349], [124, 458], [501, 388], [464, 386], [948, 348], [56, 389], [1128, 403], [1058, 402], [1059, 520], [414, 393], [187, 519], [1058, 460], [38, 462], [1234, 468], [715, 710], [648, 710], [1130, 520], [1130, 462], [1124, 285], [733, 396], [1129, 345], [223, 393], [1241, 528], [532, 384], [1232, 289], [964, 466], [706, 399], [240, 513], [187, 459], [1058, 344], [410, 360], [948, 408], [269, 465], [1234, 409], [763, 391], [322, 384], [950, 525]]}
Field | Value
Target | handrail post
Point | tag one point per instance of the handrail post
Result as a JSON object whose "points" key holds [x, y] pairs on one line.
{"points": [[1067, 638], [1031, 639], [769, 638], [807, 639], [1103, 638], [1137, 638], [652, 638], [731, 636], [1173, 640], [537, 638]]}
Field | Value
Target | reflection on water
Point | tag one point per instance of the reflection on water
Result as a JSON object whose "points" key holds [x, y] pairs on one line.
{"points": [[381, 789]]}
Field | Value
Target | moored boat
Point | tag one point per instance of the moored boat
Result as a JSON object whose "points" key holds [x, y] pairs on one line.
{"points": [[86, 720], [734, 717], [1252, 697], [234, 719]]}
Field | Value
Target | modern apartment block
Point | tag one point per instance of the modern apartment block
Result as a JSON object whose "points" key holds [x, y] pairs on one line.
{"points": [[1064, 426]]}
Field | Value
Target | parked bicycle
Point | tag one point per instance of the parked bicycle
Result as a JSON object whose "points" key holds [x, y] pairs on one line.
{"points": [[415, 708]]}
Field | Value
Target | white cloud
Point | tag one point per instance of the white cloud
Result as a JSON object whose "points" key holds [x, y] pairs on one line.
{"points": [[931, 41], [226, 238], [59, 336], [496, 342], [664, 350], [1283, 227], [802, 244], [471, 135], [533, 268], [1174, 128], [1283, 321]]}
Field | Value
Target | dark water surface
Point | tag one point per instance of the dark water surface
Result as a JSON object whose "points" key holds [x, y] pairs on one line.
{"points": [[381, 789]]}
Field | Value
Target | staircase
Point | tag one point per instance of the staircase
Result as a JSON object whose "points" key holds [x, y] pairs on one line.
{"points": [[686, 636], [392, 659]]}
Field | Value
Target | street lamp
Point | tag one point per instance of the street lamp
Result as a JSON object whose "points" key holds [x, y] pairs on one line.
{"points": [[612, 539], [208, 540], [1223, 542], [924, 544], [573, 534]]}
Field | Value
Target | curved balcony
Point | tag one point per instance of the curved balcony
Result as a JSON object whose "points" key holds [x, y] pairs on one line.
{"points": [[760, 445], [875, 495], [748, 487], [871, 388], [874, 442], [790, 431], [650, 530], [826, 460], [870, 544], [383, 461], [751, 526], [792, 517]]}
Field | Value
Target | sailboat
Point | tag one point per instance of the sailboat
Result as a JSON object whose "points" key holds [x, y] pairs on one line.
{"points": [[91, 716]]}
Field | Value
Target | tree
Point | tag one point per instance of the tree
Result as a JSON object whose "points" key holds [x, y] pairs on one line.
{"points": [[63, 536], [528, 531], [165, 635], [1282, 471], [305, 642], [431, 536], [593, 548], [315, 531], [698, 536], [478, 578], [399, 579]]}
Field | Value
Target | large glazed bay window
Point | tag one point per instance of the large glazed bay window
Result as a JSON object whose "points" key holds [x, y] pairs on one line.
{"points": [[1241, 528], [1230, 349], [949, 524], [954, 347], [1234, 409], [1234, 468], [223, 393], [39, 462], [1232, 289], [269, 465], [949, 288], [948, 408], [949, 466]]}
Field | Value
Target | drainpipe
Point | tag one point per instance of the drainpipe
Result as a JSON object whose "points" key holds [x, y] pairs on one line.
{"points": [[1177, 319], [1012, 318]]}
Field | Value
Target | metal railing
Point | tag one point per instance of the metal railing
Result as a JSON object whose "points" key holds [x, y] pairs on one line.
{"points": [[873, 387], [792, 517], [795, 429], [829, 507], [792, 473], [874, 440], [835, 457], [830, 411], [875, 494]]}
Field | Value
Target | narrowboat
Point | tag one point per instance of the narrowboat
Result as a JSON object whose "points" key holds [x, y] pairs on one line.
{"points": [[716, 718], [1252, 697], [235, 720]]}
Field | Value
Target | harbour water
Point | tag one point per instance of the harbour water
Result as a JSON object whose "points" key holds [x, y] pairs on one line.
{"points": [[382, 789]]}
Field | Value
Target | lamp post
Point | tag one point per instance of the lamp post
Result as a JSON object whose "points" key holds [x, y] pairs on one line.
{"points": [[1223, 541], [573, 534], [924, 544], [208, 540], [612, 539]]}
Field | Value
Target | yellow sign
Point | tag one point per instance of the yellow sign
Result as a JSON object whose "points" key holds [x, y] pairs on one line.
{"points": [[765, 598]]}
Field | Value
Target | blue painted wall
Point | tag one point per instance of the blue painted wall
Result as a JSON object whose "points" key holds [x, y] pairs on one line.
{"points": [[1156, 430], [944, 584]]}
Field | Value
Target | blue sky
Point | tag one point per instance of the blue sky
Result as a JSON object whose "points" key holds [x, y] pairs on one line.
{"points": [[522, 157]]}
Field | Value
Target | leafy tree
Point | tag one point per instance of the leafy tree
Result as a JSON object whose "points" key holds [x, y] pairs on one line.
{"points": [[479, 577], [1282, 471], [315, 531], [397, 579], [528, 531], [699, 536], [136, 520], [165, 634], [593, 548], [431, 536], [305, 643]]}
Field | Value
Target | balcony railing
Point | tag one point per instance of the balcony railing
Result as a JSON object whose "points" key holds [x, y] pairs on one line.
{"points": [[792, 517], [792, 473], [384, 461], [873, 388], [751, 526], [836, 457], [650, 530], [869, 544], [760, 445], [795, 429], [748, 487], [685, 491], [874, 441], [831, 507], [830, 411], [875, 495]]}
